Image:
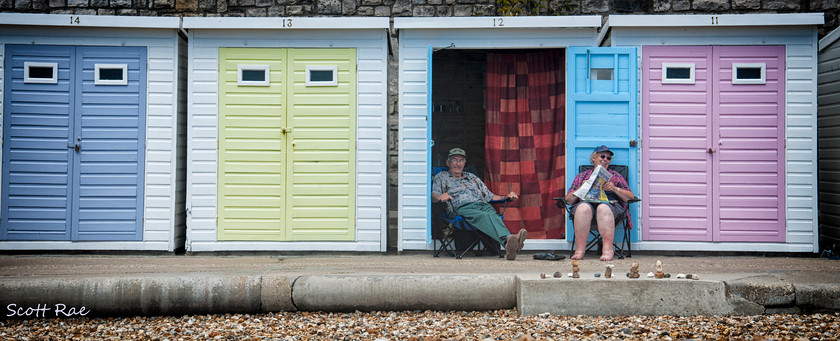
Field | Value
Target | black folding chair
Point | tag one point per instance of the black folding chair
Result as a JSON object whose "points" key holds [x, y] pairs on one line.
{"points": [[623, 249]]}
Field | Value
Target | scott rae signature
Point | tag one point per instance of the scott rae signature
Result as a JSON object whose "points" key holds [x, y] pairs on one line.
{"points": [[43, 310]]}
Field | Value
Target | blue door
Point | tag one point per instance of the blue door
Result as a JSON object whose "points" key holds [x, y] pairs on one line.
{"points": [[602, 109], [73, 143], [37, 129]]}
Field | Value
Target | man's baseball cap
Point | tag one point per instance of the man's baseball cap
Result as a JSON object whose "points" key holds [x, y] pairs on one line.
{"points": [[598, 149], [456, 151]]}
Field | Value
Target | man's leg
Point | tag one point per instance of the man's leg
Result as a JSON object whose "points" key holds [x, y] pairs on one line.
{"points": [[583, 220], [485, 218], [606, 226]]}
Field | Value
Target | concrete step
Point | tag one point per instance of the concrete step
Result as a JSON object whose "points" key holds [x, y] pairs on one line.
{"points": [[209, 293]]}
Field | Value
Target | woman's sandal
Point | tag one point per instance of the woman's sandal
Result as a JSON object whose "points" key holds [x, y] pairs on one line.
{"points": [[548, 256]]}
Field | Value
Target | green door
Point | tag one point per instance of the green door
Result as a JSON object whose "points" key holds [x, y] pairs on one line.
{"points": [[287, 144]]}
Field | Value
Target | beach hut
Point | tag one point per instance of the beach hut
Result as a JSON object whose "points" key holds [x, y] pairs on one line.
{"points": [[828, 100], [287, 147], [455, 79], [728, 129], [92, 124]]}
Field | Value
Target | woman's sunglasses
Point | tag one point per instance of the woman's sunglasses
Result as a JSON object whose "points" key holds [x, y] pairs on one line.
{"points": [[606, 157]]}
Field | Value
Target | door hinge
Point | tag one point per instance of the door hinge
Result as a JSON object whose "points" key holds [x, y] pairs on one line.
{"points": [[217, 221], [217, 144]]}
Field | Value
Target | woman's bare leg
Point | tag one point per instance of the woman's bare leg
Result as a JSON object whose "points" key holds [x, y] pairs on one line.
{"points": [[583, 220], [606, 227]]}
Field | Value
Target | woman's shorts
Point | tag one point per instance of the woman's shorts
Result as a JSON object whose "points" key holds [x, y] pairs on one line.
{"points": [[616, 208]]}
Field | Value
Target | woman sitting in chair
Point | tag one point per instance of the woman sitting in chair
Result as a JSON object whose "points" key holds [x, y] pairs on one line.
{"points": [[605, 213]]}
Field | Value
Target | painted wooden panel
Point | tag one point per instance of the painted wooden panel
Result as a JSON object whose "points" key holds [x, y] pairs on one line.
{"points": [[829, 141], [287, 150], [111, 138], [252, 147], [713, 149], [371, 130], [749, 125], [321, 196], [676, 187], [75, 170], [37, 162], [601, 101]]}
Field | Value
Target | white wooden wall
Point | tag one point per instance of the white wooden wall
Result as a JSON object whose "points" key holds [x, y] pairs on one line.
{"points": [[800, 122], [414, 177], [371, 153], [159, 213]]}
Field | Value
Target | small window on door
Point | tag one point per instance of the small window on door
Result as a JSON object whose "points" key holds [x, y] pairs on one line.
{"points": [[111, 74], [678, 73], [601, 74], [321, 75], [749, 73], [43, 73], [253, 75]]}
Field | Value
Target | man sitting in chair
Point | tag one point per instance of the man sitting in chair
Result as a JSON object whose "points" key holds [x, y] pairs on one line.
{"points": [[469, 197], [605, 213]]}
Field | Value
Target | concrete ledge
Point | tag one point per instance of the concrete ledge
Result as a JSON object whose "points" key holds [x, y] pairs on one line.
{"points": [[208, 293], [766, 291], [818, 296], [122, 296], [404, 292], [618, 296]]}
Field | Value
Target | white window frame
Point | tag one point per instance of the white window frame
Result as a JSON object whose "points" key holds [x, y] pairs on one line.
{"points": [[691, 73], [98, 81], [736, 66], [334, 70], [264, 68], [27, 79]]}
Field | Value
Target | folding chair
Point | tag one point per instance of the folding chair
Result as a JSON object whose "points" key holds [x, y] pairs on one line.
{"points": [[621, 250], [460, 228]]}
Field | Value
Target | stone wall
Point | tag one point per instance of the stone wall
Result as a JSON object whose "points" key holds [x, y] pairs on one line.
{"points": [[413, 8]]}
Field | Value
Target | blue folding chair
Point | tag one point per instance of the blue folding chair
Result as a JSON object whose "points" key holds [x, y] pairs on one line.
{"points": [[479, 242]]}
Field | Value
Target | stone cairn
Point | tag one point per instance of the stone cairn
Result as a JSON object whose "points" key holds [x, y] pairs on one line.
{"points": [[659, 274], [634, 270]]}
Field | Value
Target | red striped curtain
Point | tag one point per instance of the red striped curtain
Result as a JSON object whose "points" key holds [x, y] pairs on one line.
{"points": [[525, 139]]}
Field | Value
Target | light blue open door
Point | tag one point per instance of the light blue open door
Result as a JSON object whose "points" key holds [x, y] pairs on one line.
{"points": [[602, 109], [73, 143]]}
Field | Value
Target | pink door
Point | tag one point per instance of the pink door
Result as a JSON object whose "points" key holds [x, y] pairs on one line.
{"points": [[713, 146]]}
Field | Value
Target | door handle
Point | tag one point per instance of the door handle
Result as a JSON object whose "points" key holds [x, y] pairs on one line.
{"points": [[633, 143], [78, 147], [711, 150]]}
